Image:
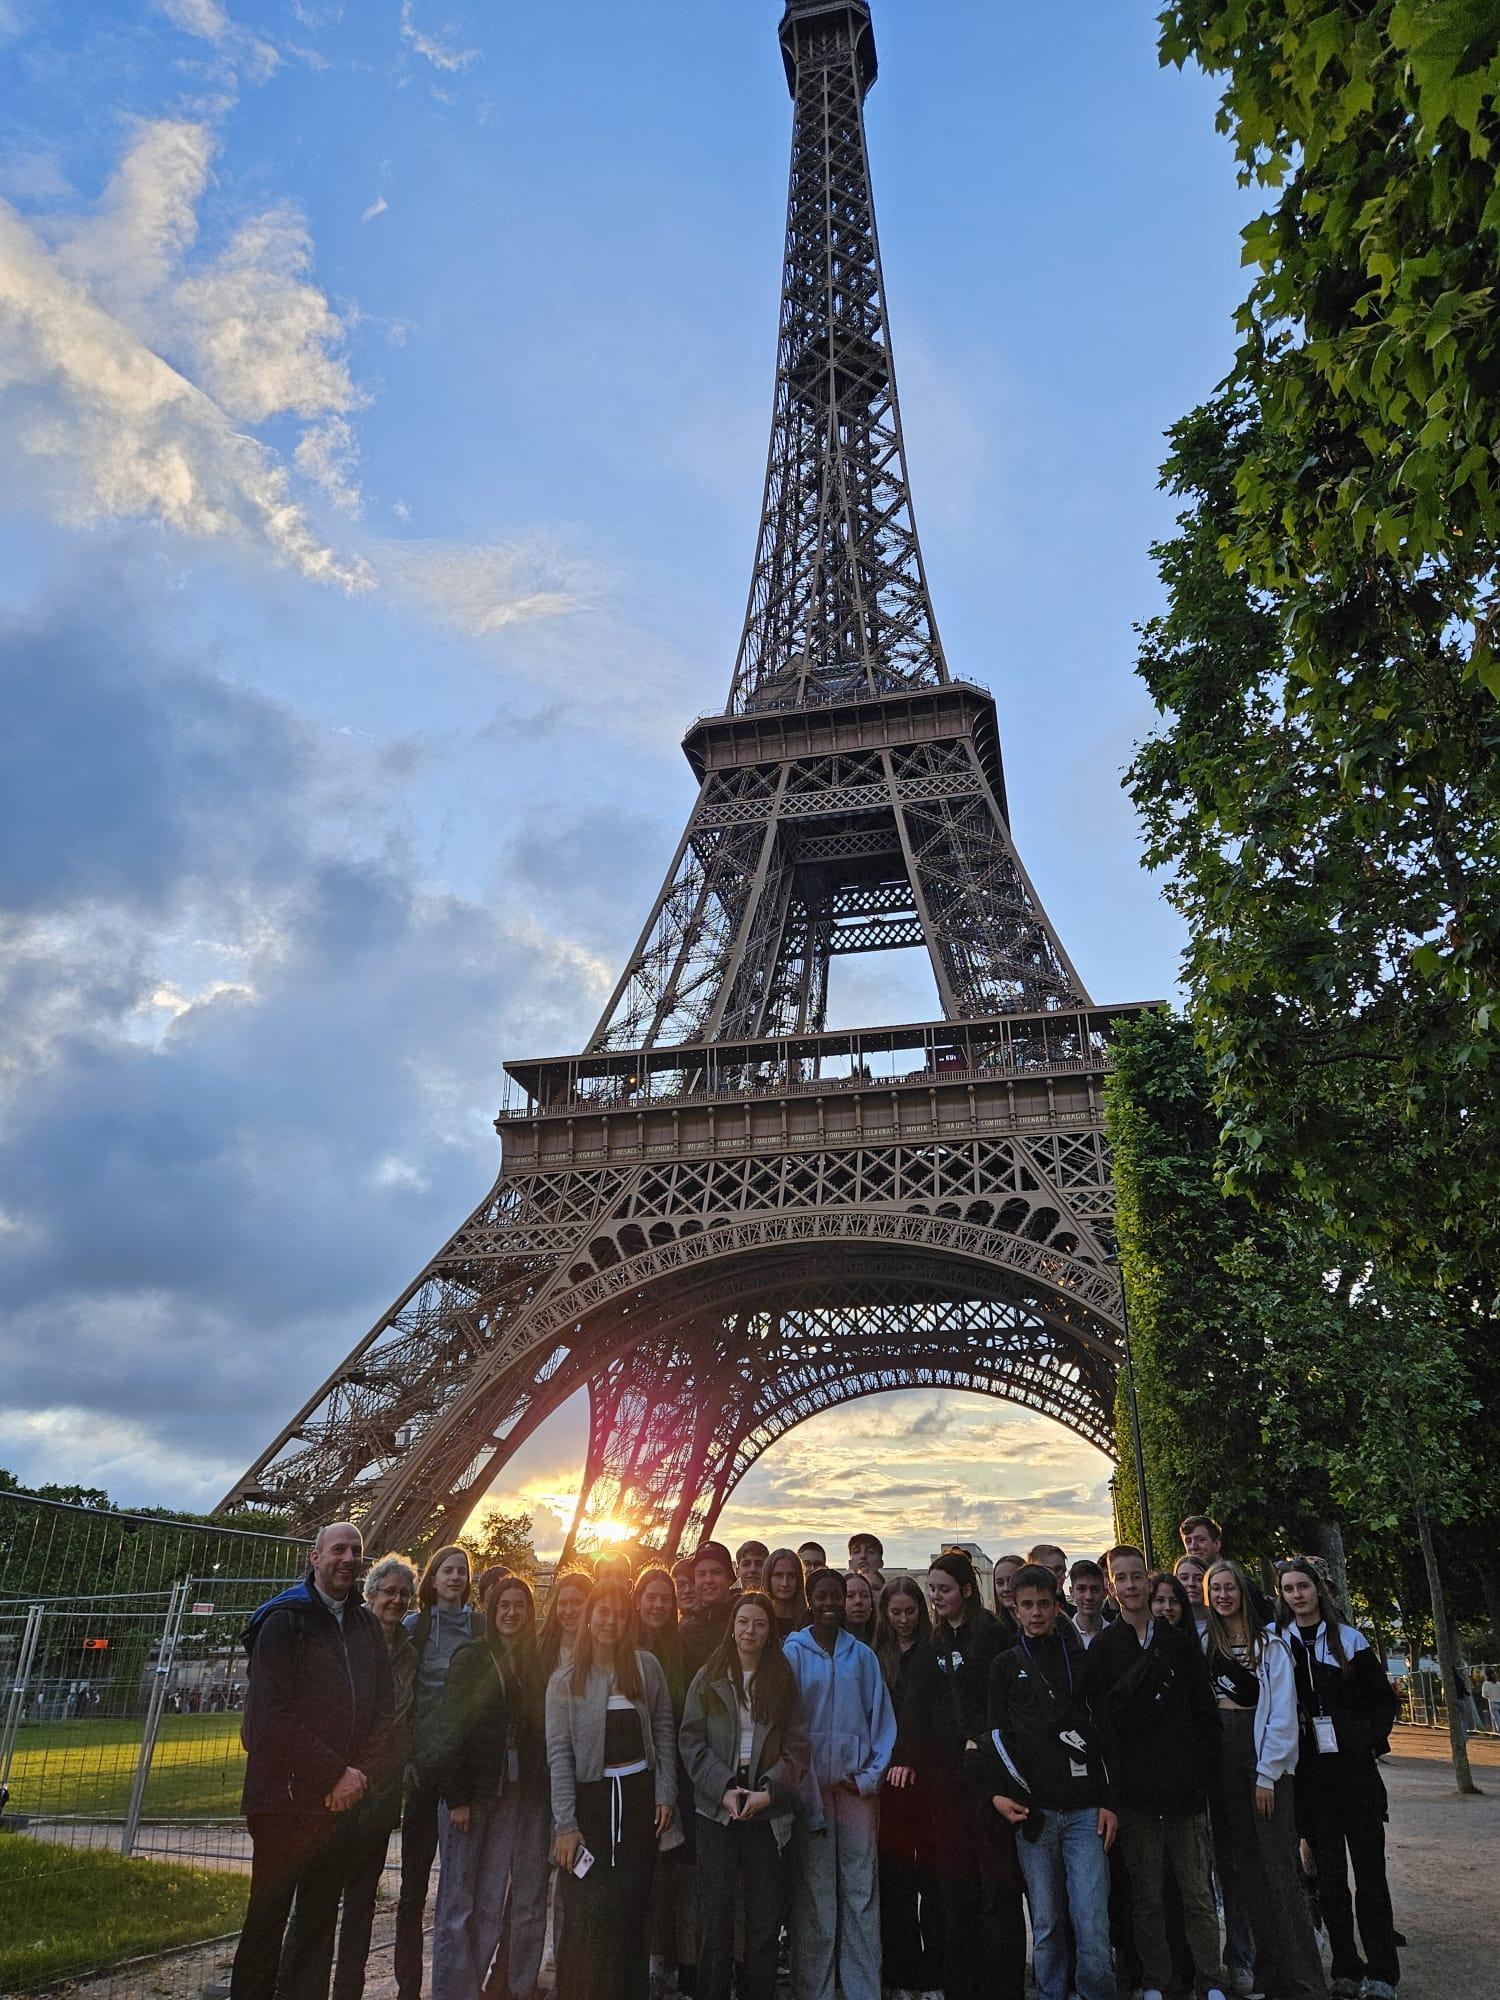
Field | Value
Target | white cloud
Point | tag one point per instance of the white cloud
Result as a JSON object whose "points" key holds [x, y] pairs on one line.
{"points": [[327, 454], [146, 220], [377, 207], [205, 18], [262, 337], [480, 588], [442, 55], [95, 313]]}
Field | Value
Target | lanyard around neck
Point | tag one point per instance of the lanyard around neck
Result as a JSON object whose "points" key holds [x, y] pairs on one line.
{"points": [[1036, 1663]]}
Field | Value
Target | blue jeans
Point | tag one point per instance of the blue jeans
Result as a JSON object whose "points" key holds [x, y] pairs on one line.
{"points": [[1067, 1875]]}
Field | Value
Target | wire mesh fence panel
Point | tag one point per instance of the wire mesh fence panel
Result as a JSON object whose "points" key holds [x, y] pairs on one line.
{"points": [[123, 1673]]}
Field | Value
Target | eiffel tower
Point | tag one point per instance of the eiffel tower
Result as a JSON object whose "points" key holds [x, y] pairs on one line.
{"points": [[721, 1217]]}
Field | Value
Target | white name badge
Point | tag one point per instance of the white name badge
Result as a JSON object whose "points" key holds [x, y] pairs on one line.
{"points": [[1327, 1735]]}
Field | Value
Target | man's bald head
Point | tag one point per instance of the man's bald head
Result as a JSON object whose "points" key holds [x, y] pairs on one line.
{"points": [[337, 1553]]}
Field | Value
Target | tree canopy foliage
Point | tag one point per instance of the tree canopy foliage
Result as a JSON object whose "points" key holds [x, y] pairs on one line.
{"points": [[1326, 787]]}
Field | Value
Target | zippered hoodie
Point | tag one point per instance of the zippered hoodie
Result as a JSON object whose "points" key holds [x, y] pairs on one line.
{"points": [[846, 1710], [1362, 1703], [1277, 1730], [1044, 1747]]}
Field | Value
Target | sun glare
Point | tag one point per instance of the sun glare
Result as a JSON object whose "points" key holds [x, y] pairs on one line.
{"points": [[610, 1530]]}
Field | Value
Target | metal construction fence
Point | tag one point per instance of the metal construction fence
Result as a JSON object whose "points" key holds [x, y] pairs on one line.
{"points": [[122, 1681]]}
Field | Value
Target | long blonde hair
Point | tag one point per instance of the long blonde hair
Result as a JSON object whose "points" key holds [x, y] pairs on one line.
{"points": [[1219, 1640]]}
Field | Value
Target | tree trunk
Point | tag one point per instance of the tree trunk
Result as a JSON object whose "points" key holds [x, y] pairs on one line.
{"points": [[1444, 1637], [1329, 1541]]}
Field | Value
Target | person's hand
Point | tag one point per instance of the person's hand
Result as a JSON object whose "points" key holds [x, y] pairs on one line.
{"points": [[755, 1804], [1109, 1826], [458, 1818], [1011, 1809], [1265, 1801], [348, 1792], [732, 1800], [664, 1815], [565, 1848], [899, 1776]]}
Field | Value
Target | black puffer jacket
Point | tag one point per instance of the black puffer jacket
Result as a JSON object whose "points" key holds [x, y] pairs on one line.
{"points": [[319, 1701]]}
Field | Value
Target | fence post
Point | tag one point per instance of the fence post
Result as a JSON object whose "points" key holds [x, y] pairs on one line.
{"points": [[24, 1665], [166, 1653]]}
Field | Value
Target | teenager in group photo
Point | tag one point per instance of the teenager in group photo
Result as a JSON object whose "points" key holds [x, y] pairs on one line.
{"points": [[701, 1776]]}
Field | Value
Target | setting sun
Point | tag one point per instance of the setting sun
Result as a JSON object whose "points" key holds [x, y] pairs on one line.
{"points": [[609, 1530]]}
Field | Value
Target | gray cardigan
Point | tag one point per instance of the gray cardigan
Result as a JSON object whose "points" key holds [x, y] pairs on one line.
{"points": [[575, 1739], [711, 1749]]}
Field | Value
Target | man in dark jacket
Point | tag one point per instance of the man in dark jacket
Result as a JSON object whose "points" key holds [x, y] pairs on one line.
{"points": [[1162, 1731], [317, 1718], [1044, 1766]]}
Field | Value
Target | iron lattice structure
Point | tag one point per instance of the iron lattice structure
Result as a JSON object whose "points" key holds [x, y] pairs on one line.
{"points": [[721, 1217]]}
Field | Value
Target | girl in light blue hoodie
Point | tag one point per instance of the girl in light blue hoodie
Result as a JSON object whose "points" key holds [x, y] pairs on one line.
{"points": [[851, 1731]]}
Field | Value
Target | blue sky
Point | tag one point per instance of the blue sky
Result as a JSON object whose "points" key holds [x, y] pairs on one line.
{"points": [[383, 399]]}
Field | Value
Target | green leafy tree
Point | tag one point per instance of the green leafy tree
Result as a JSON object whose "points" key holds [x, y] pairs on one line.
{"points": [[503, 1538], [1234, 1325], [1327, 787]]}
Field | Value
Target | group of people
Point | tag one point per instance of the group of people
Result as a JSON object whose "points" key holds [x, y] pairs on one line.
{"points": [[698, 1767]]}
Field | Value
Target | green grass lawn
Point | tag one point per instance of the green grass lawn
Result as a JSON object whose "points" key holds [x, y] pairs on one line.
{"points": [[87, 1768], [65, 1912]]}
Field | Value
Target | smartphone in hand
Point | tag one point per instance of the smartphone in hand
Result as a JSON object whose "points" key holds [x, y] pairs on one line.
{"points": [[583, 1861]]}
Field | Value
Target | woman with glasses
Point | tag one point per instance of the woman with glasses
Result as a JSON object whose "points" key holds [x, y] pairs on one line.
{"points": [[1254, 1819], [1347, 1705]]}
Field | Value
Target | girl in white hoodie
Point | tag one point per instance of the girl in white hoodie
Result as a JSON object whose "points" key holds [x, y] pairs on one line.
{"points": [[1254, 1823]]}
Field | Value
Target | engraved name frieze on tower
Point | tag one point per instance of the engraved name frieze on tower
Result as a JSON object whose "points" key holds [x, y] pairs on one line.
{"points": [[722, 1217]]}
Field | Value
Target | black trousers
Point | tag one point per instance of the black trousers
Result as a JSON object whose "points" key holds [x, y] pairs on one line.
{"points": [[361, 1886], [365, 1845], [1340, 1821], [606, 1942], [744, 1858], [419, 1840], [301, 1855], [907, 1901], [977, 1884]]}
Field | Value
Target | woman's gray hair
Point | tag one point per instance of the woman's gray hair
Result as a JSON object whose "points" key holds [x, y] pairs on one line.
{"points": [[387, 1566]]}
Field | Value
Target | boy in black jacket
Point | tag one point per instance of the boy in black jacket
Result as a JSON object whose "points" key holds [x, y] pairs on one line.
{"points": [[1161, 1723], [1044, 1766]]}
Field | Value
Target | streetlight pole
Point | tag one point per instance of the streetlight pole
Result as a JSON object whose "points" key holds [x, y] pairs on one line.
{"points": [[1135, 1415]]}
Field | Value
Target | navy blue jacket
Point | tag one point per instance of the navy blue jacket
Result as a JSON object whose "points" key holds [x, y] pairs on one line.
{"points": [[319, 1700]]}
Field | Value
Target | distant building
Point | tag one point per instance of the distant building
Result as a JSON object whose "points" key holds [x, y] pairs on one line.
{"points": [[984, 1568]]}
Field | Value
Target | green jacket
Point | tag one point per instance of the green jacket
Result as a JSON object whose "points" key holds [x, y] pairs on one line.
{"points": [[710, 1742]]}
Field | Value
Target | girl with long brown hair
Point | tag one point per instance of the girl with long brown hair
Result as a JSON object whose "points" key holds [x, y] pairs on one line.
{"points": [[746, 1752], [497, 1807], [612, 1756], [1254, 1820], [442, 1622], [1347, 1705]]}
